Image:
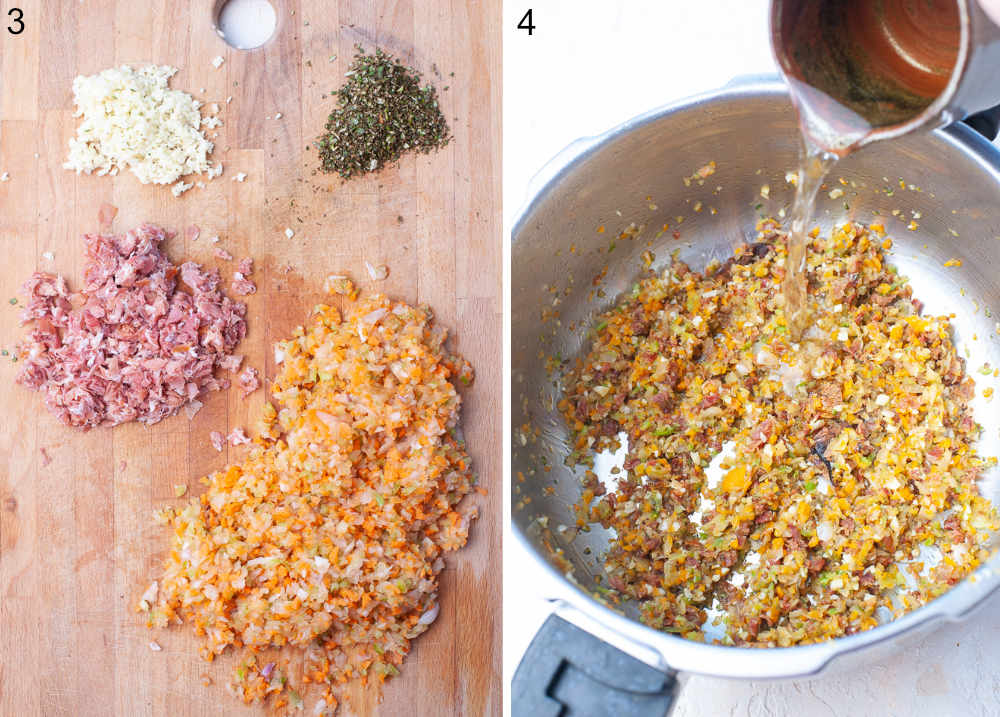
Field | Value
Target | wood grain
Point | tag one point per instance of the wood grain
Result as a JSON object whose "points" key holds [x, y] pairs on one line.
{"points": [[77, 542]]}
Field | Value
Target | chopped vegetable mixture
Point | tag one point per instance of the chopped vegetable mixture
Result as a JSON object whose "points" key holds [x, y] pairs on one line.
{"points": [[781, 494], [330, 535]]}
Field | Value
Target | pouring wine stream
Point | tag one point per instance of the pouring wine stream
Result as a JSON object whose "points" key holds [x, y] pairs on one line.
{"points": [[813, 169], [858, 71]]}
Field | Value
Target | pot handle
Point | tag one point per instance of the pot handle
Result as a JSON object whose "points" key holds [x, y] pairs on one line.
{"points": [[986, 123], [567, 672]]}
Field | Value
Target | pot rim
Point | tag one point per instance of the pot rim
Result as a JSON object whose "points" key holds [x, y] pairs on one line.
{"points": [[667, 651]]}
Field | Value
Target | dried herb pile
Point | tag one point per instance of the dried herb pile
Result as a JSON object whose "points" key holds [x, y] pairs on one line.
{"points": [[382, 112]]}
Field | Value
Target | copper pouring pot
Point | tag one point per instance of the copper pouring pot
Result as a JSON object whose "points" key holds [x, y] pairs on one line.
{"points": [[878, 69]]}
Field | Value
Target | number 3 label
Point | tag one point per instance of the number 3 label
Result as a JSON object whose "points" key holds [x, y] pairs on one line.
{"points": [[17, 23]]}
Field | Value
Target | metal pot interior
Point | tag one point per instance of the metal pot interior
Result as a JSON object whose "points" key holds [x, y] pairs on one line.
{"points": [[634, 174]]}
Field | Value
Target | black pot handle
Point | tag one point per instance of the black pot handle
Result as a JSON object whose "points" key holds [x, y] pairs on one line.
{"points": [[567, 672], [986, 123]]}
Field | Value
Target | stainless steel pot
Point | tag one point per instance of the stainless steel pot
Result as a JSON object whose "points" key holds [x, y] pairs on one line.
{"points": [[634, 173]]}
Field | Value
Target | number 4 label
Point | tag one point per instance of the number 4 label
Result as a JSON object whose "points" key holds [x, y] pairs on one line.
{"points": [[527, 23]]}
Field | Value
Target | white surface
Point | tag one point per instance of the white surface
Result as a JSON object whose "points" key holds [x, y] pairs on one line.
{"points": [[590, 65], [246, 24]]}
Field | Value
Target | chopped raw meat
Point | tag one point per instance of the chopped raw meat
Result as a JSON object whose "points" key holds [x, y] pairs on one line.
{"points": [[245, 266], [46, 458], [132, 346], [192, 407], [105, 216], [249, 381], [242, 286], [218, 440], [231, 363], [222, 254], [238, 436], [48, 297]]}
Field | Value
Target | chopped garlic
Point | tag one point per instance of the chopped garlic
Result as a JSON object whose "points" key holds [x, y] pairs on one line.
{"points": [[289, 233], [217, 61], [131, 119]]}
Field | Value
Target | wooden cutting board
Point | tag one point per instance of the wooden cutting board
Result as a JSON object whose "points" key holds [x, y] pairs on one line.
{"points": [[77, 542]]}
